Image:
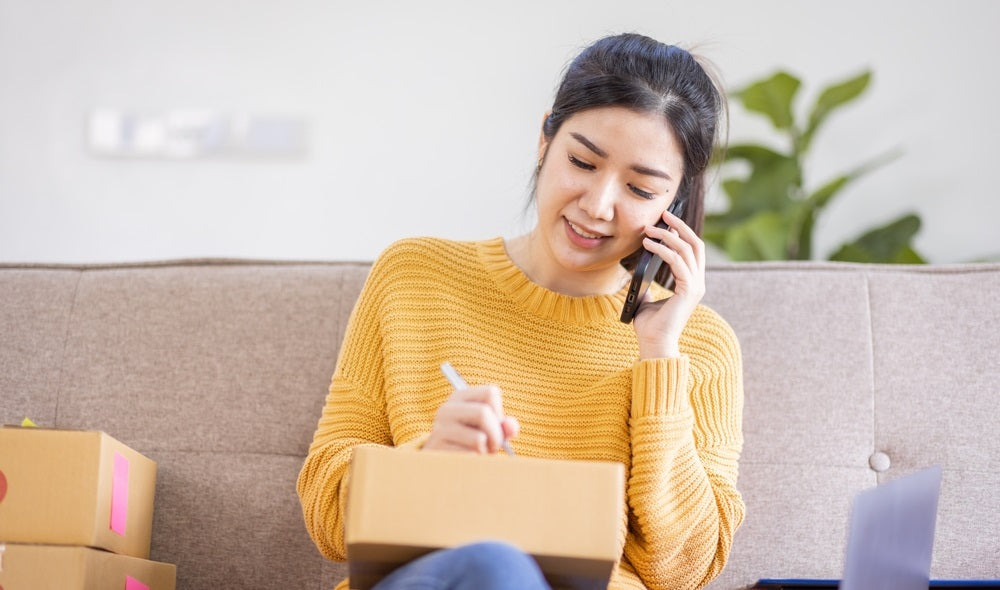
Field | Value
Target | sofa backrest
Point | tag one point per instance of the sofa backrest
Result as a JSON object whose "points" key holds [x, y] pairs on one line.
{"points": [[215, 370], [218, 370], [855, 375]]}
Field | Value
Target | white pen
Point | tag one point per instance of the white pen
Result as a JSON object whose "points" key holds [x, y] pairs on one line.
{"points": [[458, 383]]}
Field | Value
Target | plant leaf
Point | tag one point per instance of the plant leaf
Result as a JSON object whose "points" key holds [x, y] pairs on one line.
{"points": [[755, 154], [715, 228], [801, 233], [831, 98], [773, 179], [773, 98], [762, 237], [733, 186], [822, 196], [987, 258], [801, 246], [804, 218], [889, 243]]}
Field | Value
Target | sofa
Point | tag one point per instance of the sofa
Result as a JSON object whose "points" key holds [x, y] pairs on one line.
{"points": [[217, 370]]}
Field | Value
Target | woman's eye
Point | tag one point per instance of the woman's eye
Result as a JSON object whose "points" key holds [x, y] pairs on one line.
{"points": [[580, 163], [641, 193]]}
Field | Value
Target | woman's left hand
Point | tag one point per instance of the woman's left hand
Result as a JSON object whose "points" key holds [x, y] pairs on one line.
{"points": [[658, 325]]}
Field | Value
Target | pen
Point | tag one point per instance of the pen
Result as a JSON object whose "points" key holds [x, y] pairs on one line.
{"points": [[458, 383]]}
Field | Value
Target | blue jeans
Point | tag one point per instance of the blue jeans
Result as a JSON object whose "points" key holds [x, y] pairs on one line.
{"points": [[488, 565]]}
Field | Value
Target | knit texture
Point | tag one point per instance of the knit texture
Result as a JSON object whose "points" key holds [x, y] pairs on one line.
{"points": [[569, 372]]}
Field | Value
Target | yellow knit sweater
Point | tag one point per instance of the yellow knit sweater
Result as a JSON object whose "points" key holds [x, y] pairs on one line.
{"points": [[569, 372]]}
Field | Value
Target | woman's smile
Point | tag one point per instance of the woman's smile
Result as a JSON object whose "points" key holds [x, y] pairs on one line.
{"points": [[583, 237]]}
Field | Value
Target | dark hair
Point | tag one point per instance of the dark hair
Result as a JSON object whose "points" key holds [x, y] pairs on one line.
{"points": [[646, 76]]}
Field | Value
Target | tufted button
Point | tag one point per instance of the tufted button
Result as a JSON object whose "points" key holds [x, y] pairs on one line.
{"points": [[879, 461]]}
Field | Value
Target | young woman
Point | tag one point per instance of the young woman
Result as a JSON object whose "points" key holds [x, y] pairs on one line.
{"points": [[534, 324]]}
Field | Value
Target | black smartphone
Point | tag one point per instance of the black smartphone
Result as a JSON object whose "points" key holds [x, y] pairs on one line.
{"points": [[645, 270]]}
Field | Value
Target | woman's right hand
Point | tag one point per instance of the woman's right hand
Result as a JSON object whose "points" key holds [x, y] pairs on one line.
{"points": [[472, 419]]}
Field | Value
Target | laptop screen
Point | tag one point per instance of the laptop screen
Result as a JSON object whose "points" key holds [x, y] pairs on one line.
{"points": [[891, 534]]}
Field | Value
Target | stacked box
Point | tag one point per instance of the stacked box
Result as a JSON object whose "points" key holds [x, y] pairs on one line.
{"points": [[70, 567], [76, 512]]}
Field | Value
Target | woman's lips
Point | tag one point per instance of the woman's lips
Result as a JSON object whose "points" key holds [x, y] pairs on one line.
{"points": [[581, 237]]}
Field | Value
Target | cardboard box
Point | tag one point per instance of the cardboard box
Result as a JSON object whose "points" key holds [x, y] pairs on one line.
{"points": [[60, 567], [403, 504], [68, 487]]}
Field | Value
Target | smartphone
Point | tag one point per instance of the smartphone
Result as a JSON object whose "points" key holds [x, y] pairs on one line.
{"points": [[646, 269]]}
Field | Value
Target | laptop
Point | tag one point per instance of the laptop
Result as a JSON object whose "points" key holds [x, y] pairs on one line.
{"points": [[890, 540]]}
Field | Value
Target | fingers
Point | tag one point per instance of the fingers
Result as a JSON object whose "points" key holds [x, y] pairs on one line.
{"points": [[484, 394], [684, 240], [511, 427], [659, 326], [472, 420], [684, 261], [680, 247], [458, 437]]}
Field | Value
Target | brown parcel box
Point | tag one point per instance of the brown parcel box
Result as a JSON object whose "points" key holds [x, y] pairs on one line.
{"points": [[68, 487], [60, 567], [402, 504]]}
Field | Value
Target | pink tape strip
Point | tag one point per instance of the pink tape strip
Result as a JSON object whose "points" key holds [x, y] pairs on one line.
{"points": [[119, 495], [133, 584]]}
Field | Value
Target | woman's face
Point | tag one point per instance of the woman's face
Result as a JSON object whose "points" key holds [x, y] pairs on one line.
{"points": [[607, 174]]}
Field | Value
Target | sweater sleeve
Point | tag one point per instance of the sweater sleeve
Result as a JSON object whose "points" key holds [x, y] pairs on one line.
{"points": [[354, 414], [686, 430]]}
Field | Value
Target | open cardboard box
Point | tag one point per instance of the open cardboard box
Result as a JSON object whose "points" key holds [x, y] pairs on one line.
{"points": [[403, 504], [36, 567], [74, 487]]}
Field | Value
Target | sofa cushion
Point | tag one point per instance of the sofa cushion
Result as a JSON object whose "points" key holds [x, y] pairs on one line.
{"points": [[805, 338], [239, 355], [35, 315], [936, 339]]}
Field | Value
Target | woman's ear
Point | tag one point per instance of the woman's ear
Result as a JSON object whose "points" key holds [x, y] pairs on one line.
{"points": [[543, 144]]}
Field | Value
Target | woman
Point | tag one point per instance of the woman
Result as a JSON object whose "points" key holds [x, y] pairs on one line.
{"points": [[536, 319]]}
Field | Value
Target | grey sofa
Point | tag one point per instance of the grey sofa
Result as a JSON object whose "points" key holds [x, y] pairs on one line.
{"points": [[217, 370]]}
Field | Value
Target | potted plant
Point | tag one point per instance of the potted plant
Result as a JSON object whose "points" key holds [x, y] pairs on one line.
{"points": [[772, 211]]}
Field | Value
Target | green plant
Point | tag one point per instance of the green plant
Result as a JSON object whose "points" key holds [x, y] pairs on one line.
{"points": [[772, 215]]}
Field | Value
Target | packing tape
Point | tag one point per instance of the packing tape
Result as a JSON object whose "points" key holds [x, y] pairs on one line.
{"points": [[119, 494], [3, 548]]}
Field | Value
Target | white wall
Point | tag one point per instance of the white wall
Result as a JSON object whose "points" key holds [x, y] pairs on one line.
{"points": [[423, 116]]}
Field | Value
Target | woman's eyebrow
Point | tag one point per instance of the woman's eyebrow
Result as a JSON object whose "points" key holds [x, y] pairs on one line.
{"points": [[589, 145], [651, 172], [636, 168]]}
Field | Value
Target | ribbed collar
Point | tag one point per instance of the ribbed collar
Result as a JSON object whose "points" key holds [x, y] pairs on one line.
{"points": [[540, 301]]}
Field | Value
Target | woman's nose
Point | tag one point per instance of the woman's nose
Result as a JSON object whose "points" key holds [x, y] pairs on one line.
{"points": [[599, 200]]}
